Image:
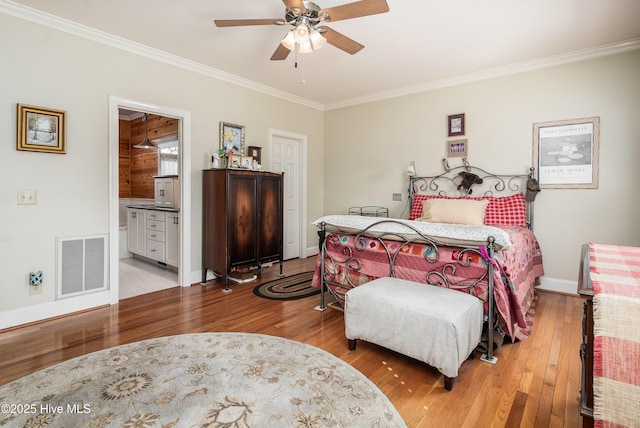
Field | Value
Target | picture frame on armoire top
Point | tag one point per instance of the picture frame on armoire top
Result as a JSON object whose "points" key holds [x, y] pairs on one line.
{"points": [[256, 153], [232, 138]]}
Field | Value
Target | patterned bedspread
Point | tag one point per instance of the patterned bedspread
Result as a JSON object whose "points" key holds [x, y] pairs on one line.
{"points": [[348, 265]]}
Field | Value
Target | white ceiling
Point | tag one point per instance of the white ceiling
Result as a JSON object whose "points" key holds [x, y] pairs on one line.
{"points": [[417, 45]]}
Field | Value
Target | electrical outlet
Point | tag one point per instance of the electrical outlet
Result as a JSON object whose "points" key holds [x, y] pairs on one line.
{"points": [[35, 282], [27, 197], [397, 197]]}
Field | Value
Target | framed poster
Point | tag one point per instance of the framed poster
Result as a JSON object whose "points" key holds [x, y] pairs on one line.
{"points": [[565, 153], [41, 129]]}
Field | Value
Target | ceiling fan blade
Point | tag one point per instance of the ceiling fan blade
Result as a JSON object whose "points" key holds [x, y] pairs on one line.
{"points": [[354, 10], [280, 53], [341, 41], [290, 4], [243, 22]]}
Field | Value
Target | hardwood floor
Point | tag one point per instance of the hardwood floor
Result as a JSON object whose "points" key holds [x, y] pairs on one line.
{"points": [[535, 382]]}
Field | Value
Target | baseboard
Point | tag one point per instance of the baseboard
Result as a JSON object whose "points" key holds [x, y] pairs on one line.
{"points": [[558, 285], [35, 313]]}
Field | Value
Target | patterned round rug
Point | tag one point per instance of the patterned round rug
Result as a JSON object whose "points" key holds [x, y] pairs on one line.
{"points": [[290, 287], [235, 380]]}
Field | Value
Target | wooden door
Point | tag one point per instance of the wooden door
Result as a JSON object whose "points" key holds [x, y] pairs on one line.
{"points": [[242, 219], [286, 158]]}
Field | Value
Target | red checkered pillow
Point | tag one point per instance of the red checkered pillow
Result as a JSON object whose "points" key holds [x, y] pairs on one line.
{"points": [[416, 208], [506, 211], [501, 211]]}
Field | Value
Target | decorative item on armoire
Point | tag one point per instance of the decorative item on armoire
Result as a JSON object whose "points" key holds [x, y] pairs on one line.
{"points": [[232, 138]]}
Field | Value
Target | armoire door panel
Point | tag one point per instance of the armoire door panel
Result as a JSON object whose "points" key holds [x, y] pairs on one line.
{"points": [[270, 220], [242, 220]]}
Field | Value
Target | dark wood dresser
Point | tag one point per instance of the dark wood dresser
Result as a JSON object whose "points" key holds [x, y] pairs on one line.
{"points": [[585, 289], [241, 220]]}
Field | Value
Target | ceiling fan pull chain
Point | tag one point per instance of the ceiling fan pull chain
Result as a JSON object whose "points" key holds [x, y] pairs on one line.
{"points": [[296, 49], [302, 82]]}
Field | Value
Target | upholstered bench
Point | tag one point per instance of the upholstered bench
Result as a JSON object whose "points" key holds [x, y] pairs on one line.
{"points": [[438, 326]]}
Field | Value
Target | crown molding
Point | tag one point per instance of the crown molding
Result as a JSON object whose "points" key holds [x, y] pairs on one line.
{"points": [[551, 61], [42, 18], [33, 15]]}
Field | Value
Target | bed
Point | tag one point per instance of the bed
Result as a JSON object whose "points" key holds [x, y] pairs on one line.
{"points": [[471, 233]]}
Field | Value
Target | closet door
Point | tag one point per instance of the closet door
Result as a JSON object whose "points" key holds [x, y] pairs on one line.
{"points": [[242, 219], [270, 218]]}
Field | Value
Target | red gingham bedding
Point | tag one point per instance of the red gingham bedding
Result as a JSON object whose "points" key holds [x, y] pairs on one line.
{"points": [[513, 283]]}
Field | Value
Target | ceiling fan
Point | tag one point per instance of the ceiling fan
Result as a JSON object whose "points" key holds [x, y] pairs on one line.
{"points": [[305, 17]]}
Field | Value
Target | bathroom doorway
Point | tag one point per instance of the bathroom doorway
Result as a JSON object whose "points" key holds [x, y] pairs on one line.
{"points": [[141, 274]]}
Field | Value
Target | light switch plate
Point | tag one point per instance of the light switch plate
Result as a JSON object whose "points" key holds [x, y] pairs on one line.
{"points": [[27, 197]]}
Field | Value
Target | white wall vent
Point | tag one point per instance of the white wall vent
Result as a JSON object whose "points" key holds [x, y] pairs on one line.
{"points": [[82, 265]]}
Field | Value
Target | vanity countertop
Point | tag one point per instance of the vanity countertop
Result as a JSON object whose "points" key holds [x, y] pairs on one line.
{"points": [[154, 208]]}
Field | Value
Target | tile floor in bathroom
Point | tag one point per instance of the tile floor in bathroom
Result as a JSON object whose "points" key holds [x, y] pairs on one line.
{"points": [[140, 277]]}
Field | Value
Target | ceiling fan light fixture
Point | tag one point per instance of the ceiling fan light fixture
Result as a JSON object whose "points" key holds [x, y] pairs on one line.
{"points": [[306, 47], [289, 41], [317, 40], [302, 34]]}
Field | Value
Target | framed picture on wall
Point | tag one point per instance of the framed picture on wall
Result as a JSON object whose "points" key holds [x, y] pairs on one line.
{"points": [[455, 125], [232, 138], [457, 148], [565, 153], [41, 129]]}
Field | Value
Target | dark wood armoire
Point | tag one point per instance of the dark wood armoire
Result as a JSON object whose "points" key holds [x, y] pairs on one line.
{"points": [[242, 220]]}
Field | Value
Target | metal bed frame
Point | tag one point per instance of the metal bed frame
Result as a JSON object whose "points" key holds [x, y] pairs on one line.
{"points": [[445, 184]]}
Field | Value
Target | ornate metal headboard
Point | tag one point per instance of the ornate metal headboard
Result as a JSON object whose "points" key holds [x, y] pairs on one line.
{"points": [[452, 183]]}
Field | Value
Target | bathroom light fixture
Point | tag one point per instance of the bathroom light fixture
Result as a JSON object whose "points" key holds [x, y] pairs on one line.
{"points": [[146, 143], [411, 169]]}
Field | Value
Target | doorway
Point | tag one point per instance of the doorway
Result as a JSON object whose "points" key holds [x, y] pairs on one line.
{"points": [[184, 215], [289, 155]]}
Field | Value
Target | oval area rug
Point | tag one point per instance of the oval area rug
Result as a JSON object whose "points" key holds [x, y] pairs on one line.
{"points": [[234, 380], [296, 286]]}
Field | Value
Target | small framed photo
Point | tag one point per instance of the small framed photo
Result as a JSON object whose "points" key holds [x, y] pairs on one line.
{"points": [[41, 129], [256, 153], [457, 148], [232, 138], [455, 125], [565, 153], [235, 161]]}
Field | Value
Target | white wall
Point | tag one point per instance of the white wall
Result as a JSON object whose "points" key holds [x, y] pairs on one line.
{"points": [[49, 68], [368, 147]]}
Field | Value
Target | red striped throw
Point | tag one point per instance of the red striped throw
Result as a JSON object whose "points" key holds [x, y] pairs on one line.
{"points": [[615, 274]]}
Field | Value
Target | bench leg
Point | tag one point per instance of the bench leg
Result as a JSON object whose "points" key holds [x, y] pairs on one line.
{"points": [[448, 383], [352, 344]]}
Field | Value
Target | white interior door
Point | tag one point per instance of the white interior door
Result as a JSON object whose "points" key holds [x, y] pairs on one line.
{"points": [[286, 156]]}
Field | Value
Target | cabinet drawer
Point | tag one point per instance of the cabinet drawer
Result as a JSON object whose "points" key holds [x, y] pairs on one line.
{"points": [[155, 235], [155, 215], [155, 250], [155, 225]]}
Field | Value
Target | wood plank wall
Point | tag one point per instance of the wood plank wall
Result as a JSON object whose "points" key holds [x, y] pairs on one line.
{"points": [[124, 158], [140, 165]]}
